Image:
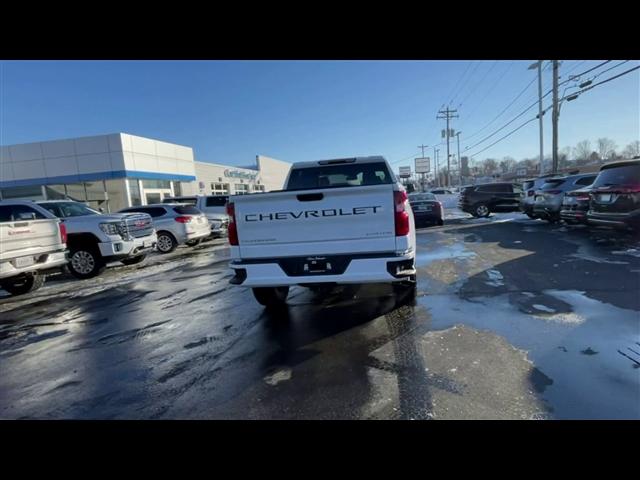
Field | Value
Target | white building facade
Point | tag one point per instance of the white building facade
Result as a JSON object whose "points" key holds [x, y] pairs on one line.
{"points": [[120, 170]]}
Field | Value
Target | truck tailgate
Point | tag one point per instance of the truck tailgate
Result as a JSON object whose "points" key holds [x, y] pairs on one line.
{"points": [[25, 237], [316, 222]]}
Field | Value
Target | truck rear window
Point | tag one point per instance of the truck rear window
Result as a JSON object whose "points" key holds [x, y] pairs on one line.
{"points": [[343, 175], [217, 201]]}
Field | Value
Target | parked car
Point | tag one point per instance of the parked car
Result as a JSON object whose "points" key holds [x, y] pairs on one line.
{"points": [[213, 206], [426, 209], [615, 196], [575, 205], [95, 239], [32, 244], [481, 200], [548, 199], [175, 224], [342, 221], [529, 188], [441, 191]]}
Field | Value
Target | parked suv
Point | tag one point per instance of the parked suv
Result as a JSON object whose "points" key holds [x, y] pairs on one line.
{"points": [[213, 206], [615, 196], [529, 188], [95, 239], [32, 243], [575, 206], [175, 224], [481, 200], [548, 199]]}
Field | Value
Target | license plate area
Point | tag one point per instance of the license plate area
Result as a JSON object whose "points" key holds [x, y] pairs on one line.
{"points": [[604, 198], [312, 266], [22, 262]]}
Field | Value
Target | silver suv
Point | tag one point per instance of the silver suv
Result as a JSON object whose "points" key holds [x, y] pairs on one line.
{"points": [[175, 224], [548, 199]]}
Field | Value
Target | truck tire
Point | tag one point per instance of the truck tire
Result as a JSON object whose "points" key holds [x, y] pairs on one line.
{"points": [[85, 262], [23, 284], [166, 243], [134, 260], [407, 290], [271, 297]]}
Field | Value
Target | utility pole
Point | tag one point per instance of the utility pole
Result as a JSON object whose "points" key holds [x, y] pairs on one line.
{"points": [[538, 65], [459, 161], [555, 116], [423, 147], [437, 174], [447, 115]]}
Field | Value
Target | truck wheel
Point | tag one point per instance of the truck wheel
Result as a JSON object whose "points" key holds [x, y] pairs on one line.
{"points": [[23, 284], [481, 210], [271, 297], [134, 260], [85, 262], [406, 290], [166, 242]]}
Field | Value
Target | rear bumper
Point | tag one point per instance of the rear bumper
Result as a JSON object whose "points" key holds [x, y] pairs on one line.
{"points": [[574, 216], [620, 220], [371, 269], [45, 262]]}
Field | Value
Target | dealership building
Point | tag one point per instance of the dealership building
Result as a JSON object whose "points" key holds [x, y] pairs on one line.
{"points": [[121, 170]]}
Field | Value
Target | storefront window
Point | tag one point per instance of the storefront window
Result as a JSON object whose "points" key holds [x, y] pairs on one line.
{"points": [[241, 189], [96, 195], [177, 189], [117, 193], [55, 192], [258, 188], [75, 191], [134, 190], [29, 192], [220, 188], [156, 184]]}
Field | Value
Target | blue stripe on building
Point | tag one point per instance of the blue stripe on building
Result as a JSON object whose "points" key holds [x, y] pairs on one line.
{"points": [[92, 177]]}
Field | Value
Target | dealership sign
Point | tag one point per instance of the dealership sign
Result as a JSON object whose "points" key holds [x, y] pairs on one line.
{"points": [[422, 165], [240, 174], [405, 172]]}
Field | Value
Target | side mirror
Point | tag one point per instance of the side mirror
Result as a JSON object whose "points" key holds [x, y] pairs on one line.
{"points": [[101, 210]]}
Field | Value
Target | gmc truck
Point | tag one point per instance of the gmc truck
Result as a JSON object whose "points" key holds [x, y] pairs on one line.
{"points": [[95, 239], [340, 221], [32, 244]]}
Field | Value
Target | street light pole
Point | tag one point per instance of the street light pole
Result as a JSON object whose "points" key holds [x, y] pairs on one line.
{"points": [[538, 64], [555, 116]]}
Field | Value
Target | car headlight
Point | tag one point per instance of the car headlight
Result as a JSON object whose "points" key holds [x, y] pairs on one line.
{"points": [[110, 228]]}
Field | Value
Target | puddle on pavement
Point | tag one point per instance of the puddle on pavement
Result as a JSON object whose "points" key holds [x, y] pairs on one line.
{"points": [[455, 251]]}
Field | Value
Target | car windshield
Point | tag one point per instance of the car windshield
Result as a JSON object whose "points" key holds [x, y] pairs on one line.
{"points": [[187, 210], [69, 209], [422, 197], [624, 175]]}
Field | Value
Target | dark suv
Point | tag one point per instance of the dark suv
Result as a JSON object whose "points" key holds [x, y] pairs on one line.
{"points": [[615, 196], [481, 200]]}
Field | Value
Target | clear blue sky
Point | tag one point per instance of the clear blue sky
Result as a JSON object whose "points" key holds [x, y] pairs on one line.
{"points": [[229, 111]]}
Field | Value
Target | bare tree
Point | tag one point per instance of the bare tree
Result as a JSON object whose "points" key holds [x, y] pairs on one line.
{"points": [[632, 150], [489, 165], [507, 164], [582, 151], [606, 148]]}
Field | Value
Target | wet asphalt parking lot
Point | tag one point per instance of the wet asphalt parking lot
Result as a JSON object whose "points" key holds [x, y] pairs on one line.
{"points": [[514, 319]]}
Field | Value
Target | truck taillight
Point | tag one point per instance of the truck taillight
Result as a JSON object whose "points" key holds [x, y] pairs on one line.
{"points": [[401, 215], [530, 193], [183, 219], [63, 232], [232, 231]]}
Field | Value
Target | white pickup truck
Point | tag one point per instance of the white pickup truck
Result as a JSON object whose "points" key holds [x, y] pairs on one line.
{"points": [[32, 243], [95, 239], [336, 222]]}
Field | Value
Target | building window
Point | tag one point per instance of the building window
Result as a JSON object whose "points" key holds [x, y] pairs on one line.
{"points": [[134, 191], [75, 191], [177, 189], [258, 188], [241, 189], [117, 194], [56, 192], [96, 194], [220, 188], [28, 192], [156, 184]]}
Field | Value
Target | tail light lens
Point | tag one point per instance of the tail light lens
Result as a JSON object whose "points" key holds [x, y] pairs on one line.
{"points": [[63, 232], [401, 214], [530, 193], [184, 219], [232, 230]]}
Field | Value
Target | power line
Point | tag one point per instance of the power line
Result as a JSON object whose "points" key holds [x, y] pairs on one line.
{"points": [[458, 82], [573, 77], [608, 69], [600, 83], [478, 83], [507, 135], [465, 83], [489, 91]]}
